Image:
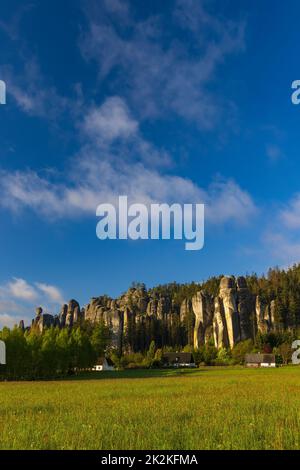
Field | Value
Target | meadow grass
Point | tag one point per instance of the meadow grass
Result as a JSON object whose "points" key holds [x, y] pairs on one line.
{"points": [[209, 408]]}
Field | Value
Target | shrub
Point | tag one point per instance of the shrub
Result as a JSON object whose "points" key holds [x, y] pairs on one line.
{"points": [[240, 350]]}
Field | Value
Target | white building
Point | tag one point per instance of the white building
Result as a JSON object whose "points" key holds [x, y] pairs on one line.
{"points": [[103, 363]]}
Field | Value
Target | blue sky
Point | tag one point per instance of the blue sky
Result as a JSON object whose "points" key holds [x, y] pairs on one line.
{"points": [[174, 101]]}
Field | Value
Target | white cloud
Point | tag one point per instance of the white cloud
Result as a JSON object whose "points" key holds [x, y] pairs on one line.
{"points": [[283, 247], [290, 215], [19, 298], [20, 289], [31, 92], [225, 200], [110, 121], [161, 73], [280, 238], [114, 160], [11, 320]]}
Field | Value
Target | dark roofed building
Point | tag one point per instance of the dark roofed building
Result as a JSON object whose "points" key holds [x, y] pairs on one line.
{"points": [[176, 359], [260, 360]]}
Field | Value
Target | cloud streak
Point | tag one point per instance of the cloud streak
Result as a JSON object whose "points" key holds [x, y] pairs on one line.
{"points": [[160, 73], [18, 299], [114, 160]]}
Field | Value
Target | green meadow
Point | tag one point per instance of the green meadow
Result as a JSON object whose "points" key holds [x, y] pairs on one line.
{"points": [[208, 408]]}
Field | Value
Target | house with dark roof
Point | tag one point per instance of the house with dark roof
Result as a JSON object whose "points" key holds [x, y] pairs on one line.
{"points": [[176, 359], [260, 360]]}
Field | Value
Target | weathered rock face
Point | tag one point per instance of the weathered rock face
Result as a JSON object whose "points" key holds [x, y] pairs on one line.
{"points": [[73, 313], [219, 325], [42, 320], [228, 295], [262, 316], [185, 309], [203, 311], [62, 315], [152, 308], [138, 316], [94, 311], [272, 312], [115, 320]]}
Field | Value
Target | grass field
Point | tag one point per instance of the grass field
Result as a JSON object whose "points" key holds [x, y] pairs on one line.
{"points": [[209, 408]]}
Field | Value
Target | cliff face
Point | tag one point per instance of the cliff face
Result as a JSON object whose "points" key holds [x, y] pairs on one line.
{"points": [[137, 317]]}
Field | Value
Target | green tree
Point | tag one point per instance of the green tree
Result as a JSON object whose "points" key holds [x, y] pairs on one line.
{"points": [[240, 350], [100, 339]]}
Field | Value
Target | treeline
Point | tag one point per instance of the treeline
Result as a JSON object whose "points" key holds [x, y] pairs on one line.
{"points": [[279, 343], [282, 286], [53, 353], [138, 338]]}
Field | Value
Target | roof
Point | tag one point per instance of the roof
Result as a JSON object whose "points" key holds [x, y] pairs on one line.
{"points": [[259, 358], [178, 357]]}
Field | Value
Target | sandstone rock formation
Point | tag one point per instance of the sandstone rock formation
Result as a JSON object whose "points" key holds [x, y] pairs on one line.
{"points": [[42, 320], [138, 316], [203, 311], [263, 320], [228, 296], [219, 325]]}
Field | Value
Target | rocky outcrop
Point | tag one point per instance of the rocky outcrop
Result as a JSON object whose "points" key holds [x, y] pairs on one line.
{"points": [[263, 320], [138, 316], [203, 311], [228, 295], [42, 320], [73, 313], [219, 325], [185, 309]]}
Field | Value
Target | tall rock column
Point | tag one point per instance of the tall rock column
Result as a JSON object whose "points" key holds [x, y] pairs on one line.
{"points": [[203, 311], [228, 295], [73, 307], [219, 325], [262, 316]]}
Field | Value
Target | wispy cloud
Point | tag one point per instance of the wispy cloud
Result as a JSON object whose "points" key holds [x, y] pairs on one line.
{"points": [[20, 289], [280, 236], [52, 293], [161, 74], [274, 152], [11, 320], [18, 299], [12, 26], [110, 121], [31, 92], [290, 214], [100, 173]]}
